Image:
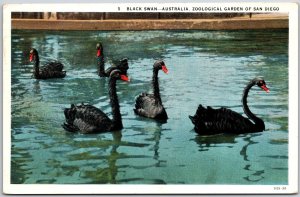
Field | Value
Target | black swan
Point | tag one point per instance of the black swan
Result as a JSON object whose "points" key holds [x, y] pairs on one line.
{"points": [[213, 121], [122, 65], [150, 105], [89, 119], [50, 70]]}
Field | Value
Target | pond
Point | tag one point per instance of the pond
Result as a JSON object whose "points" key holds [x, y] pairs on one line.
{"points": [[205, 67]]}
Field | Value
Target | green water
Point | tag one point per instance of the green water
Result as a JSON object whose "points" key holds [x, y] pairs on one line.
{"points": [[205, 67]]}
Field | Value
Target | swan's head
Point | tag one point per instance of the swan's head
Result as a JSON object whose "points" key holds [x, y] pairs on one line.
{"points": [[260, 82], [116, 74], [99, 49], [160, 65], [32, 54]]}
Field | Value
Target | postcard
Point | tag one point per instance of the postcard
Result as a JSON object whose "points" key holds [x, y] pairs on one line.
{"points": [[156, 98]]}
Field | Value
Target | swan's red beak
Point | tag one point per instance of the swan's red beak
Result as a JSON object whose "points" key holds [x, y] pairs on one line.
{"points": [[164, 68], [264, 87], [98, 53], [31, 57], [124, 78]]}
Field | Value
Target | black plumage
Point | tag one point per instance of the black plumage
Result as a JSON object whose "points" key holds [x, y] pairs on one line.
{"points": [[209, 121], [89, 119], [49, 70], [121, 65], [150, 105]]}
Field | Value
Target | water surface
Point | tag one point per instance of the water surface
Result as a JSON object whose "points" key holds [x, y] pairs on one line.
{"points": [[205, 67]]}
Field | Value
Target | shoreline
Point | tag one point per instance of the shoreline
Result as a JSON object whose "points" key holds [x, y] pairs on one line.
{"points": [[258, 21]]}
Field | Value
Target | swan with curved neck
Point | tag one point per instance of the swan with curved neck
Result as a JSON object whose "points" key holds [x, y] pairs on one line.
{"points": [[150, 105], [89, 119], [50, 70], [213, 121], [121, 65]]}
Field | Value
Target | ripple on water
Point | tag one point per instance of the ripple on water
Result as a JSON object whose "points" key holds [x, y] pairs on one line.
{"points": [[205, 67]]}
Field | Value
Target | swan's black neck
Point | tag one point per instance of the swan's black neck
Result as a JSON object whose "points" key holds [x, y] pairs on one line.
{"points": [[156, 85], [36, 62], [259, 124], [100, 63], [114, 102]]}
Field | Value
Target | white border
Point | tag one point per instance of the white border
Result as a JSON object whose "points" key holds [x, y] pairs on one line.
{"points": [[292, 187]]}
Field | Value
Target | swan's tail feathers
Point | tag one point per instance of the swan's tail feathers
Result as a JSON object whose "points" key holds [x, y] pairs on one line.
{"points": [[59, 74], [140, 112], [70, 113], [192, 119], [201, 109], [138, 102], [139, 105], [69, 127], [199, 113], [200, 118], [66, 112]]}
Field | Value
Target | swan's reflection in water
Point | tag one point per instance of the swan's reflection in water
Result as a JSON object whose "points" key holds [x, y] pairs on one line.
{"points": [[255, 174], [151, 134], [108, 174], [99, 156], [220, 140], [206, 143], [37, 87], [156, 138]]}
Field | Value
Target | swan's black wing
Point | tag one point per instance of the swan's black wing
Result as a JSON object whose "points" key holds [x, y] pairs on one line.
{"points": [[121, 65], [86, 119], [54, 66], [210, 121], [52, 70], [148, 106], [48, 74]]}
